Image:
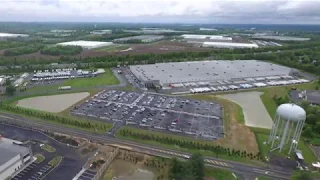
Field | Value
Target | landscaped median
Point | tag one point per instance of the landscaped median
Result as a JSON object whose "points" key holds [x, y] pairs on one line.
{"points": [[48, 148], [55, 161], [78, 123], [39, 157]]}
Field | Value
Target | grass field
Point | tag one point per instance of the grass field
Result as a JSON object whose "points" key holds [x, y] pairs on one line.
{"points": [[218, 174], [39, 157], [263, 136], [108, 78], [55, 161], [48, 148]]}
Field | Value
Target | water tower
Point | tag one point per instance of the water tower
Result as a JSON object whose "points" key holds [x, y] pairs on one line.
{"points": [[287, 127]]}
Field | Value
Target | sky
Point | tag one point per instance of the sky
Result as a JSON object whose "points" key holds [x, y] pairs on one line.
{"points": [[163, 11]]}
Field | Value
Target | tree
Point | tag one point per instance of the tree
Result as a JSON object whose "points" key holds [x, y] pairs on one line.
{"points": [[197, 164], [302, 175], [10, 90]]}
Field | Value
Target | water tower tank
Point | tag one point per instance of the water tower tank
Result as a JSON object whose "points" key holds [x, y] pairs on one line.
{"points": [[287, 127], [291, 112]]}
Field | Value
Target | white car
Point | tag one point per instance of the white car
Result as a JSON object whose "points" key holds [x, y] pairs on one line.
{"points": [[186, 156]]}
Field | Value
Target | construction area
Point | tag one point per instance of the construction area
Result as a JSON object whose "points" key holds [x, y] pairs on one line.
{"points": [[217, 75], [158, 112]]}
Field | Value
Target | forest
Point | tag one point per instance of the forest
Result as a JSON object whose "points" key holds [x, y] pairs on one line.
{"points": [[22, 50], [61, 50]]}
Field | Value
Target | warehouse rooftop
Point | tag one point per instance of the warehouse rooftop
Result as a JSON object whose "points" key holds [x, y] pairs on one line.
{"points": [[179, 72], [9, 150]]}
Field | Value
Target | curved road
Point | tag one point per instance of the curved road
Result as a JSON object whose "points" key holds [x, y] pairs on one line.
{"points": [[278, 173]]}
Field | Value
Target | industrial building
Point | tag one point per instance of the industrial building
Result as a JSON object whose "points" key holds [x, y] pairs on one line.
{"points": [[208, 37], [207, 29], [229, 45], [143, 38], [101, 32], [312, 96], [9, 35], [209, 72], [14, 157], [281, 38], [86, 44]]}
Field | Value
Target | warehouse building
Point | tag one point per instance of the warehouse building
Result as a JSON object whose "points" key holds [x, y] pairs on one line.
{"points": [[230, 45], [143, 38], [311, 96], [208, 37], [207, 72], [14, 157], [101, 32], [9, 35], [86, 44], [281, 38]]}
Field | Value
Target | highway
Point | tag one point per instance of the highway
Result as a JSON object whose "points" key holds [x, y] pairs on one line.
{"points": [[274, 172]]}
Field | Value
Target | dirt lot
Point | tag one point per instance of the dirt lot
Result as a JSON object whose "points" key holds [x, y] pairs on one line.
{"points": [[55, 103], [157, 48]]}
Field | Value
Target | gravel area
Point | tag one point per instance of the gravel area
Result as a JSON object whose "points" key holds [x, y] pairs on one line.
{"points": [[254, 111], [54, 103]]}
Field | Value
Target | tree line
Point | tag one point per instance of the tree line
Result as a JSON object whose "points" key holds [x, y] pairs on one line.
{"points": [[61, 50], [188, 144], [22, 50], [56, 118]]}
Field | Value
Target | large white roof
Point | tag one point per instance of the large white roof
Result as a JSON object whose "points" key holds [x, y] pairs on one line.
{"points": [[212, 37], [181, 72], [291, 112], [230, 45], [13, 35], [86, 44]]}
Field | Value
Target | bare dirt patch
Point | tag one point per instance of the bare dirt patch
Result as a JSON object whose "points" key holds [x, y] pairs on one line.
{"points": [[54, 103], [254, 111]]}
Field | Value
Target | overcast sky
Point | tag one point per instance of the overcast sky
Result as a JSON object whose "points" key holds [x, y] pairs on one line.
{"points": [[164, 11]]}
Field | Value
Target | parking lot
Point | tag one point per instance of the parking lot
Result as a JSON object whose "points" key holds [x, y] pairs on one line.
{"points": [[165, 113], [34, 171]]}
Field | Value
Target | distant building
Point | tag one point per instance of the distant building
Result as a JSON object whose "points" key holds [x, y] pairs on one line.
{"points": [[62, 31], [311, 96], [13, 157], [143, 38], [208, 29], [229, 45], [101, 32], [9, 35], [208, 37], [86, 44]]}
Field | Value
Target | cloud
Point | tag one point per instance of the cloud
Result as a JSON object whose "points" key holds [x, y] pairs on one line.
{"points": [[197, 11]]}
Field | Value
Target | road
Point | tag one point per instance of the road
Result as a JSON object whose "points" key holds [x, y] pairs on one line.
{"points": [[271, 171]]}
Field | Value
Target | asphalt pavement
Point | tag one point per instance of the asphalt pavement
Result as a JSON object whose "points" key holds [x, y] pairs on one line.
{"points": [[271, 171]]}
